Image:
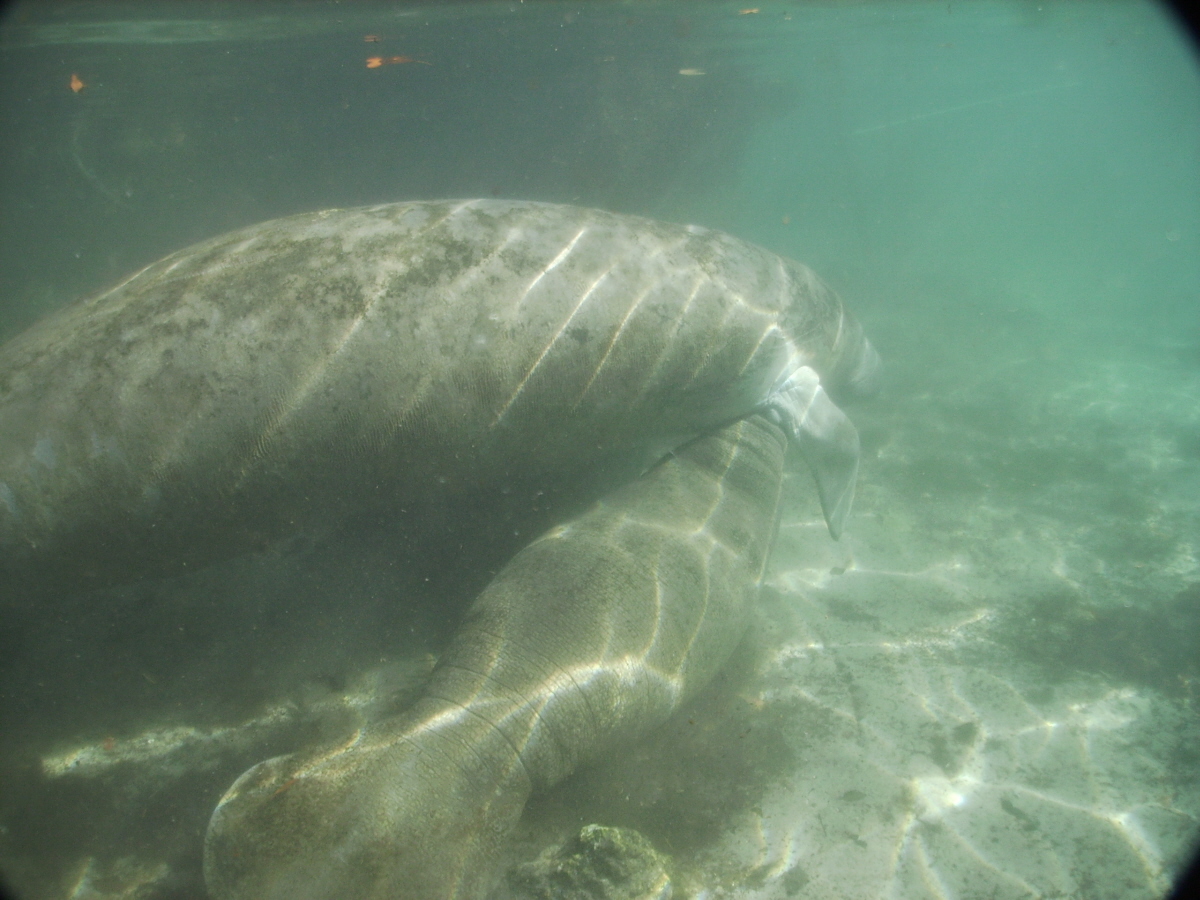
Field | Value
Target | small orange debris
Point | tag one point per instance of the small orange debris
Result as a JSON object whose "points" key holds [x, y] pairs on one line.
{"points": [[77, 83], [747, 12], [372, 38], [109, 744], [374, 62]]}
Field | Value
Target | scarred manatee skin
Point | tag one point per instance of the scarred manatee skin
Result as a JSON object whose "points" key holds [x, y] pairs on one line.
{"points": [[395, 358]]}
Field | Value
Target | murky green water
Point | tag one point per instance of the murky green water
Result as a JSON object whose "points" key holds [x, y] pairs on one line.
{"points": [[988, 687]]}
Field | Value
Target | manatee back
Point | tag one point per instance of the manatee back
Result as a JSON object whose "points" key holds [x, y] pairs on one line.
{"points": [[389, 357]]}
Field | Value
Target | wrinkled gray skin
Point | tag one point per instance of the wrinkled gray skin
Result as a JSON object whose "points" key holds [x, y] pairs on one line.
{"points": [[419, 361], [591, 635], [400, 357]]}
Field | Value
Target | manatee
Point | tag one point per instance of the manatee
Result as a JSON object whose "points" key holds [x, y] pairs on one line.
{"points": [[628, 384], [390, 358], [592, 634]]}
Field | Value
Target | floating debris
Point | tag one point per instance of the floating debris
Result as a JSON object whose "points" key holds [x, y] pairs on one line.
{"points": [[374, 62]]}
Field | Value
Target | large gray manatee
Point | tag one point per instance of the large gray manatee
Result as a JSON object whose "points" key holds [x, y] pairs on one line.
{"points": [[590, 636], [431, 362], [483, 356]]}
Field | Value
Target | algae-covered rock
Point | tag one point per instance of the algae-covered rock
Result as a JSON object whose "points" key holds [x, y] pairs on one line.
{"points": [[599, 863]]}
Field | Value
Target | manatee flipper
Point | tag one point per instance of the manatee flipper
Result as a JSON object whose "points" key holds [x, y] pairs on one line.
{"points": [[827, 440], [590, 636]]}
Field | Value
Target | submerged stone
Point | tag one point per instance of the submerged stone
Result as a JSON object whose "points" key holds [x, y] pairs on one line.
{"points": [[599, 863]]}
